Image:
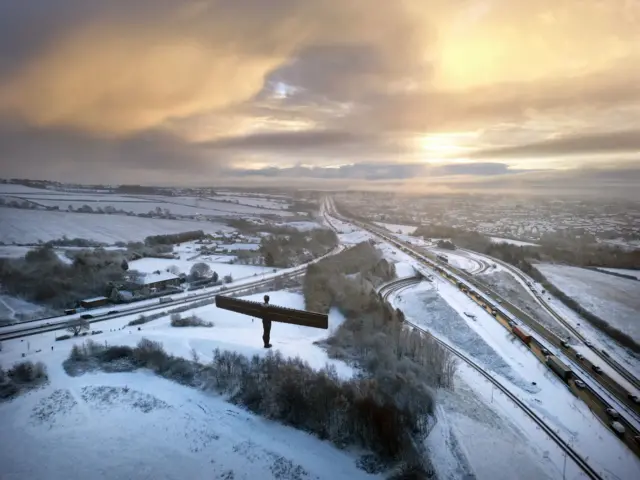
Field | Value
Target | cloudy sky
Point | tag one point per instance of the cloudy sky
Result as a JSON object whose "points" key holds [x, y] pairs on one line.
{"points": [[411, 95]]}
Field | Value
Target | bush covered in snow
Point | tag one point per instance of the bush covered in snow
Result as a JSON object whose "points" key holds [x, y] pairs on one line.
{"points": [[346, 412], [21, 376], [193, 321], [296, 247], [404, 364]]}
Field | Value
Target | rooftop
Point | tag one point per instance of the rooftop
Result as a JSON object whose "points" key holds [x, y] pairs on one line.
{"points": [[150, 278]]}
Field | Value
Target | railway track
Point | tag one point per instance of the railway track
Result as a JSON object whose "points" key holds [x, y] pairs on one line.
{"points": [[624, 373], [394, 287], [591, 397]]}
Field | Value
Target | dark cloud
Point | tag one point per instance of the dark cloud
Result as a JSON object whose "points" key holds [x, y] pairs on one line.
{"points": [[379, 171], [593, 143], [66, 155]]}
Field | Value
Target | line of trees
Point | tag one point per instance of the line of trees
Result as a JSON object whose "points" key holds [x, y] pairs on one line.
{"points": [[174, 238]]}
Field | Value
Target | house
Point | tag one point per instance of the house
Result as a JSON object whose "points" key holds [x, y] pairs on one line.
{"points": [[158, 280], [94, 302]]}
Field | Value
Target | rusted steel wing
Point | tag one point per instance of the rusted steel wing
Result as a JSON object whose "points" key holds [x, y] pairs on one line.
{"points": [[273, 312]]}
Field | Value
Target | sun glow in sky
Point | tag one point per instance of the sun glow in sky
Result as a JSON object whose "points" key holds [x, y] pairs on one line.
{"points": [[222, 90]]}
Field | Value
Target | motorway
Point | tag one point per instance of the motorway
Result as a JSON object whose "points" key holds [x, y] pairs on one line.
{"points": [[508, 315], [397, 285], [527, 283]]}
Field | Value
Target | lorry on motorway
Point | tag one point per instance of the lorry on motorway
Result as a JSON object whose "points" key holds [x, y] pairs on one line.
{"points": [[559, 367], [526, 338], [165, 299]]}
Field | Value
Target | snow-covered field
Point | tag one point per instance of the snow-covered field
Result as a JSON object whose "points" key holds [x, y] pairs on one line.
{"points": [[614, 299], [138, 425], [31, 226], [262, 202], [510, 241], [392, 227], [216, 262]]}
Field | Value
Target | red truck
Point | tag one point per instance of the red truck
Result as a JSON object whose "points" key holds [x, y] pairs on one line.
{"points": [[526, 338]]}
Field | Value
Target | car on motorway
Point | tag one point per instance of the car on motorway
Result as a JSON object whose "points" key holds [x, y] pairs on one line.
{"points": [[618, 428], [86, 316], [596, 369], [564, 343], [545, 352], [579, 356], [111, 312], [588, 343], [580, 384], [605, 353], [634, 398], [612, 413]]}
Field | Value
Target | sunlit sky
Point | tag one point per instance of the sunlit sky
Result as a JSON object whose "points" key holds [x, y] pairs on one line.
{"points": [[406, 95]]}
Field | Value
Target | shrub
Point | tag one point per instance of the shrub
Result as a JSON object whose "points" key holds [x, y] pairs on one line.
{"points": [[192, 321], [27, 371]]}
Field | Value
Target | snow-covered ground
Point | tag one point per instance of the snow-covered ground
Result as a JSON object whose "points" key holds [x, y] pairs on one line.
{"points": [[14, 308], [138, 425], [392, 227], [240, 246], [510, 241], [302, 225], [216, 262], [31, 226], [623, 271], [512, 363], [614, 299], [262, 202]]}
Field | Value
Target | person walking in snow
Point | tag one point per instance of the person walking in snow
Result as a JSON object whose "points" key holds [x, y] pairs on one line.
{"points": [[266, 327]]}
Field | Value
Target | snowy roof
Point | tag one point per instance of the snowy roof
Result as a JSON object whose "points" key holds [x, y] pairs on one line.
{"points": [[94, 299], [157, 277]]}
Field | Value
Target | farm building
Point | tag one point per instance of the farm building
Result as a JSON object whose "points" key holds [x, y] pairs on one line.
{"points": [[94, 302], [158, 280]]}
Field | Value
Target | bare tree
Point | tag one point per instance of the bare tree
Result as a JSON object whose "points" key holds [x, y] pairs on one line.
{"points": [[77, 325]]}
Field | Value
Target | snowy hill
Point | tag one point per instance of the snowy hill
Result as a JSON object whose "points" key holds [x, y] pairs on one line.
{"points": [[139, 425]]}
